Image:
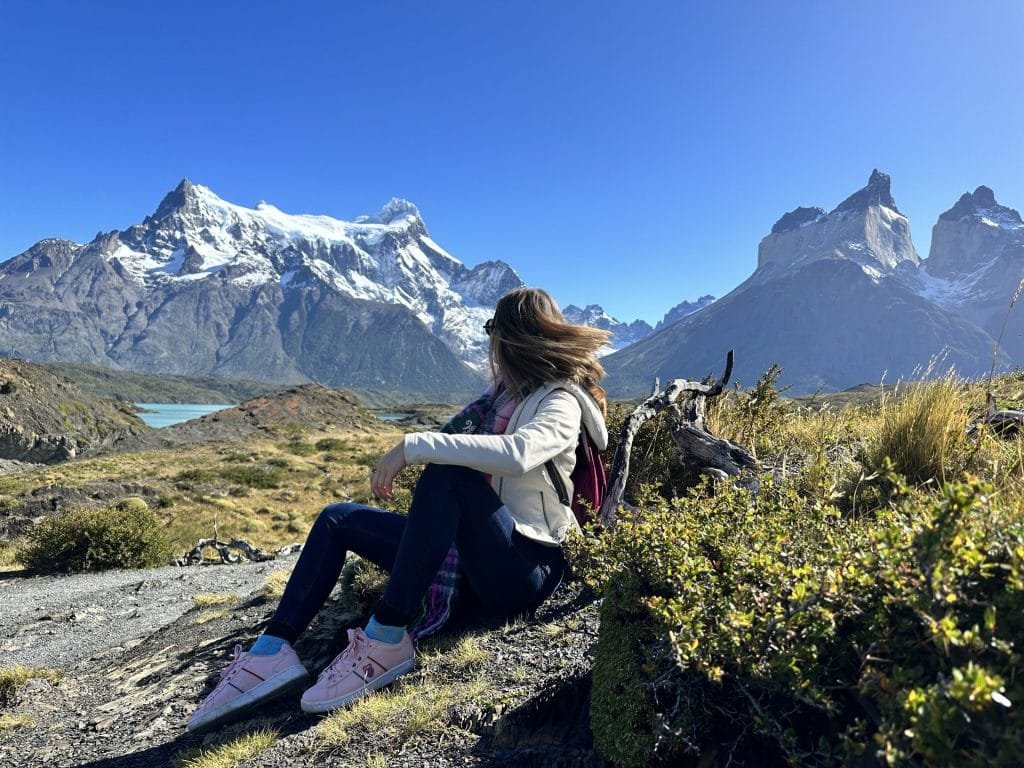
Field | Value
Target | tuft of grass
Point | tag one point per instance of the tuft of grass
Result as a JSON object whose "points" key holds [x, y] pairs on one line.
{"points": [[468, 653], [274, 584], [14, 722], [376, 760], [923, 432], [230, 753], [9, 557], [12, 678], [207, 599], [400, 713], [207, 616]]}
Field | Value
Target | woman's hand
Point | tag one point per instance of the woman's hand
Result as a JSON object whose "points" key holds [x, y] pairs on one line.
{"points": [[386, 471]]}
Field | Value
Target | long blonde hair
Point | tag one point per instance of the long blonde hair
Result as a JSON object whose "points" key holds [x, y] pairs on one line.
{"points": [[531, 344]]}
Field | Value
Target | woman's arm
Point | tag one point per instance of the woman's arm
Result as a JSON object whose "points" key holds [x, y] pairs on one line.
{"points": [[554, 426]]}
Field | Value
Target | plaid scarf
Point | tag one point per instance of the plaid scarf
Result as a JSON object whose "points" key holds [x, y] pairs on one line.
{"points": [[488, 415]]}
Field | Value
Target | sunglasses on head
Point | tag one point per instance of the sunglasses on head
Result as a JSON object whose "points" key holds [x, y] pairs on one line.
{"points": [[489, 326]]}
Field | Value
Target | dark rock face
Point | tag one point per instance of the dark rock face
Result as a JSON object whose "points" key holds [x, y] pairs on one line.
{"points": [[982, 200], [797, 218], [46, 419], [877, 192]]}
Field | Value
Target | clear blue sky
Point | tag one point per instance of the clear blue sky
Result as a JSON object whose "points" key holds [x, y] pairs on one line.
{"points": [[630, 154]]}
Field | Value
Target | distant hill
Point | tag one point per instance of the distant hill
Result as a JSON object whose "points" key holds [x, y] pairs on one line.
{"points": [[45, 418], [158, 388]]}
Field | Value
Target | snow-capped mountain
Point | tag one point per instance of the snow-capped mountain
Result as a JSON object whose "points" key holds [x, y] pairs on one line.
{"points": [[684, 309], [975, 265], [204, 286], [388, 258], [866, 228], [623, 334], [837, 300]]}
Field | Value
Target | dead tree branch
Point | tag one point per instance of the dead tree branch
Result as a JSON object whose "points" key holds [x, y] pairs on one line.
{"points": [[699, 450], [245, 551]]}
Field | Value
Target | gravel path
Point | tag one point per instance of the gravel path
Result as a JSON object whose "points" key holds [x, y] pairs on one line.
{"points": [[56, 621]]}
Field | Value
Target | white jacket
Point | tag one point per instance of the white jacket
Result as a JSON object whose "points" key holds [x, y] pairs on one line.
{"points": [[546, 425]]}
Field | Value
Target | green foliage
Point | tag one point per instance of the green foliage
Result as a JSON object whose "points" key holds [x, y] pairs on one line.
{"points": [[754, 418], [127, 535], [779, 631], [298, 447], [332, 444]]}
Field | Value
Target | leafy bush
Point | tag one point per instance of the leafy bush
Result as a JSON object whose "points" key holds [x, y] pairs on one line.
{"points": [[778, 631], [332, 444], [253, 476], [127, 535]]}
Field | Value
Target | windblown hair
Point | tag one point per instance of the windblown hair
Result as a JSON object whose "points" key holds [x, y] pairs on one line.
{"points": [[532, 344]]}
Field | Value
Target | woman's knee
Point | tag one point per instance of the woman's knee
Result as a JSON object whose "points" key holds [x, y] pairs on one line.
{"points": [[335, 515]]}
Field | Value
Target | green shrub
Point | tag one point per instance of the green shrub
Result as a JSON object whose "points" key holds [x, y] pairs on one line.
{"points": [[298, 447], [127, 535], [332, 444], [777, 631], [253, 476]]}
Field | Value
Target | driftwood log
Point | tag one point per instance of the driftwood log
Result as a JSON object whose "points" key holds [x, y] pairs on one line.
{"points": [[698, 450], [244, 550], [1005, 423]]}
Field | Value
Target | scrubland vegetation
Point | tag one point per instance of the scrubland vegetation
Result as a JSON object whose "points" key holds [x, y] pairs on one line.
{"points": [[865, 608], [268, 492]]}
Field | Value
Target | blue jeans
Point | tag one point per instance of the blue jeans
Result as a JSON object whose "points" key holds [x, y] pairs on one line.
{"points": [[507, 572]]}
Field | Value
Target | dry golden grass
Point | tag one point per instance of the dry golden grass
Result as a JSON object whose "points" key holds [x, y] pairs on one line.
{"points": [[12, 678], [276, 581], [207, 599], [418, 703], [13, 722], [922, 430], [230, 753], [200, 491]]}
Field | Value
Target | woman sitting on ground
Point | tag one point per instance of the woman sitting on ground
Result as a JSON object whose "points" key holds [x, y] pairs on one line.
{"points": [[483, 507]]}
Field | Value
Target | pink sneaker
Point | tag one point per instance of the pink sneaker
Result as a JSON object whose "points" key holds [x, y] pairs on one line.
{"points": [[249, 680], [364, 666]]}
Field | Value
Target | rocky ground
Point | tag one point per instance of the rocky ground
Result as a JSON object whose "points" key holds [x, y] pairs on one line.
{"points": [[137, 656]]}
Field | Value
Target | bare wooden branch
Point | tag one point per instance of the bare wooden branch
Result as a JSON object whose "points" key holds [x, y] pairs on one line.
{"points": [[699, 450], [246, 551], [1005, 423]]}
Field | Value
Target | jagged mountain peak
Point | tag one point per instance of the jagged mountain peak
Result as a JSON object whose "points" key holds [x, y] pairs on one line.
{"points": [[877, 192], [982, 204], [866, 228], [394, 209]]}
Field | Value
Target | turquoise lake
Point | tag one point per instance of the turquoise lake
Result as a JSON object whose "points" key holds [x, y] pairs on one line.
{"points": [[165, 414]]}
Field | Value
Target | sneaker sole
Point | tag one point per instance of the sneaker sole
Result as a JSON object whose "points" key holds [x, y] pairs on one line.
{"points": [[319, 707], [265, 691]]}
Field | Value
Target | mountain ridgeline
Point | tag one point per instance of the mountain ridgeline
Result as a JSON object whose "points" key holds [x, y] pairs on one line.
{"points": [[842, 298], [204, 287]]}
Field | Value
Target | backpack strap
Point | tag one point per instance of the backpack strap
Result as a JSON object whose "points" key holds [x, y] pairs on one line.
{"points": [[556, 478]]}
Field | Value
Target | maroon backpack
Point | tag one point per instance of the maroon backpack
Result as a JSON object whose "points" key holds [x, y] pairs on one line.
{"points": [[588, 478]]}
